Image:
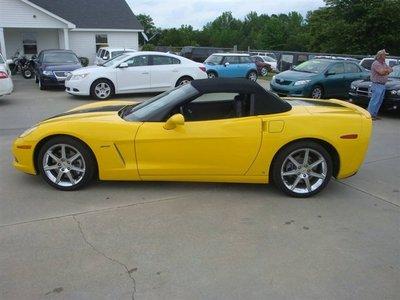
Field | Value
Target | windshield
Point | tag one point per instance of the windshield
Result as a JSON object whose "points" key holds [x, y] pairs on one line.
{"points": [[214, 60], [60, 57], [268, 59], [116, 60], [313, 66], [395, 73], [149, 107]]}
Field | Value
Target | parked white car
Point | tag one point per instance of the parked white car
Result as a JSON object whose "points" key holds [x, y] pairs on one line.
{"points": [[368, 61], [6, 84], [137, 72], [106, 53]]}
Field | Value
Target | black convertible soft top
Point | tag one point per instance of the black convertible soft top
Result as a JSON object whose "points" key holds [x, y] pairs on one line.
{"points": [[266, 102]]}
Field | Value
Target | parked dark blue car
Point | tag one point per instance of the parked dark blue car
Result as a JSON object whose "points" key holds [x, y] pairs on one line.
{"points": [[53, 66]]}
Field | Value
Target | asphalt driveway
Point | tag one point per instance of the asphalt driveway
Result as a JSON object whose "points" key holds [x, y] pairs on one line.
{"points": [[195, 241]]}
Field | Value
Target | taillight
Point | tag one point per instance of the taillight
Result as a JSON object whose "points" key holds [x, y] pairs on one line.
{"points": [[3, 75], [203, 69]]}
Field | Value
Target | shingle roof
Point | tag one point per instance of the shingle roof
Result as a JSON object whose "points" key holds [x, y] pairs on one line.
{"points": [[104, 14]]}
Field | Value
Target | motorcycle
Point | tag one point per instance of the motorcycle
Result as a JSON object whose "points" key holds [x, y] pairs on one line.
{"points": [[21, 64]]}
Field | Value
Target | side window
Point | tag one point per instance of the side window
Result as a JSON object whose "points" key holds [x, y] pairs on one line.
{"points": [[99, 53], [337, 68], [138, 61], [231, 60], [217, 106], [165, 60], [244, 60], [351, 68]]}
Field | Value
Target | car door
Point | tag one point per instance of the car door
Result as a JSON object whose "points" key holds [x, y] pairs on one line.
{"points": [[335, 80], [245, 65], [212, 141], [134, 77], [229, 67], [165, 71]]}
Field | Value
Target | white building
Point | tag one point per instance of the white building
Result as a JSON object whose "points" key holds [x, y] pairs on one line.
{"points": [[29, 26]]}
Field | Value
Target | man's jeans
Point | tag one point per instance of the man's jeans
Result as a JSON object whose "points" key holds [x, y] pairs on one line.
{"points": [[378, 93]]}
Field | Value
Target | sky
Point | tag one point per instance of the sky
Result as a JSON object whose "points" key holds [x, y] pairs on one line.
{"points": [[174, 13]]}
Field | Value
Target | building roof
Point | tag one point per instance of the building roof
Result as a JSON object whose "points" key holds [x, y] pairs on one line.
{"points": [[93, 14]]}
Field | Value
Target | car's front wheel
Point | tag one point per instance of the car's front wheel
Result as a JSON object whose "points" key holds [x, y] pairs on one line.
{"points": [[252, 76], [66, 164], [102, 89], [302, 169], [317, 92]]}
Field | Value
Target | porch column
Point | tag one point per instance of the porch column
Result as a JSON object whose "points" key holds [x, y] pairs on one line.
{"points": [[3, 43], [66, 38]]}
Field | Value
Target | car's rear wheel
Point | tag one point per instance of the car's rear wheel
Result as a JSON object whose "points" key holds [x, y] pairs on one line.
{"points": [[102, 89], [264, 71], [317, 92], [302, 169], [184, 80], [252, 76], [212, 75], [66, 164]]}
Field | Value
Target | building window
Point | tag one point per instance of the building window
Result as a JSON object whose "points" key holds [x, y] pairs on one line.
{"points": [[101, 41], [30, 44]]}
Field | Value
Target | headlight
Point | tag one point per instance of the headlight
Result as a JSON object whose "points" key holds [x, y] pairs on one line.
{"points": [[353, 87], [48, 73], [302, 82], [28, 131], [394, 92], [79, 77], [273, 78]]}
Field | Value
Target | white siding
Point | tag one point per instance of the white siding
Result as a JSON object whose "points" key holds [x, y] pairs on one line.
{"points": [[17, 14], [83, 43], [45, 38]]}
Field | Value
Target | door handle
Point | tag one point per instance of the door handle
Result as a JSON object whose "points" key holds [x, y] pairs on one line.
{"points": [[145, 73]]}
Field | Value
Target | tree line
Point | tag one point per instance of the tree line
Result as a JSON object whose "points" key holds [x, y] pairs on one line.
{"points": [[341, 26]]}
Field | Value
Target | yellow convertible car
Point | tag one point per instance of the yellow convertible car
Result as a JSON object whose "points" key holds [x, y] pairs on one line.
{"points": [[214, 130]]}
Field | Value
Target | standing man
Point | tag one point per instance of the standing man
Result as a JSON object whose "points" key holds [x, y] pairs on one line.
{"points": [[379, 76]]}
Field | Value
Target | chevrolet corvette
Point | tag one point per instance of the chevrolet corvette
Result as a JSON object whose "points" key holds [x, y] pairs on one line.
{"points": [[211, 130]]}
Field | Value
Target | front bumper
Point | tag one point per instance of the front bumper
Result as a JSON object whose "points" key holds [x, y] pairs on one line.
{"points": [[290, 90], [363, 100], [77, 87], [51, 81], [23, 152]]}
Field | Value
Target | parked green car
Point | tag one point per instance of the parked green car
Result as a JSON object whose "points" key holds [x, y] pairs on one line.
{"points": [[318, 78]]}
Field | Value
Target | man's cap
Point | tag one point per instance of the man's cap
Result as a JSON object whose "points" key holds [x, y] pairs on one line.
{"points": [[381, 52]]}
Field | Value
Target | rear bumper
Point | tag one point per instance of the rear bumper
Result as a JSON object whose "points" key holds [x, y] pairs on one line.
{"points": [[6, 86]]}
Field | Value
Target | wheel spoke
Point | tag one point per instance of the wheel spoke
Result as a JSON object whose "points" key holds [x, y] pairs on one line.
{"points": [[48, 168], [71, 179], [295, 162], [306, 157], [49, 153], [59, 175], [75, 157], [63, 153], [295, 183], [290, 173], [76, 169], [316, 175], [313, 165], [307, 181]]}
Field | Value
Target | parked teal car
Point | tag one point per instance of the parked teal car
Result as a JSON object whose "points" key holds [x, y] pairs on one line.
{"points": [[231, 65], [318, 78]]}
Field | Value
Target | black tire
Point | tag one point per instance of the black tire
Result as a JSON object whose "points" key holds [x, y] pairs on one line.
{"points": [[317, 90], [183, 80], [252, 75], [42, 87], [212, 74], [86, 160], [281, 169], [107, 83], [27, 73], [264, 71], [36, 79]]}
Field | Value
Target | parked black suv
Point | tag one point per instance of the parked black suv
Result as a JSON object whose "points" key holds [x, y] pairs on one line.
{"points": [[53, 66]]}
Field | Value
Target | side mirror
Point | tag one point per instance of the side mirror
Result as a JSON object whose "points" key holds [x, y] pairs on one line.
{"points": [[329, 73], [123, 65], [226, 64], [174, 121]]}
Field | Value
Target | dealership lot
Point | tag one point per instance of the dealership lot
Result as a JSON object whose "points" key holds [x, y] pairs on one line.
{"points": [[195, 241]]}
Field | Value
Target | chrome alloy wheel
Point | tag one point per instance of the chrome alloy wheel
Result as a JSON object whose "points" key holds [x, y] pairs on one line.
{"points": [[304, 171], [253, 76], [316, 93], [102, 90], [211, 75], [64, 165]]}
